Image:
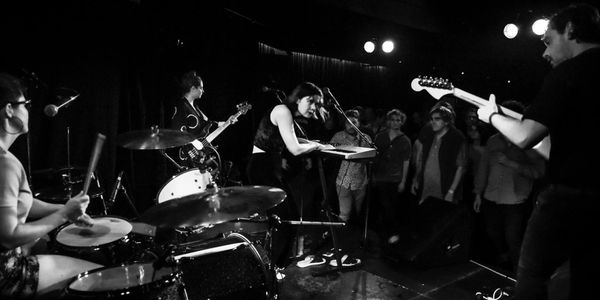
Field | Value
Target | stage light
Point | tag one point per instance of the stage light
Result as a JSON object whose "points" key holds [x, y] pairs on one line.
{"points": [[387, 46], [510, 31], [539, 26], [369, 47]]}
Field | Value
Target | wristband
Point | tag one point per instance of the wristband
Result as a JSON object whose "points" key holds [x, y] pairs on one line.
{"points": [[490, 117]]}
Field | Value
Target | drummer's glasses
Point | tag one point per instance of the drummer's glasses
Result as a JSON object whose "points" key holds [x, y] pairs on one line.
{"points": [[27, 103]]}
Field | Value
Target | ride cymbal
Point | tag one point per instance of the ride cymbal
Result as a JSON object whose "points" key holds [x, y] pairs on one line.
{"points": [[209, 208], [154, 139]]}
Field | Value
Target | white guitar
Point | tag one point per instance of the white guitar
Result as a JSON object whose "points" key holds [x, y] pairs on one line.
{"points": [[439, 87]]}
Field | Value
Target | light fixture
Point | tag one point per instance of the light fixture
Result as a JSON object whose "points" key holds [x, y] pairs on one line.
{"points": [[387, 46], [511, 30], [539, 26], [369, 46]]}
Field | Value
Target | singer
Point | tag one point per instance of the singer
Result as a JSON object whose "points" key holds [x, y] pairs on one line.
{"points": [[276, 132], [24, 274]]}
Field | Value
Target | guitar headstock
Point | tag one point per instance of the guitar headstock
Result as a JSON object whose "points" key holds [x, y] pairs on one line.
{"points": [[243, 107], [435, 86]]}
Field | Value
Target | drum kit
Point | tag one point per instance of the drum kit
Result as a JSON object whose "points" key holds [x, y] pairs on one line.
{"points": [[198, 242]]}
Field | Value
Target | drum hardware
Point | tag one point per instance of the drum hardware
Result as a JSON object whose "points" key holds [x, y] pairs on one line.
{"points": [[120, 187], [170, 159], [59, 185]]}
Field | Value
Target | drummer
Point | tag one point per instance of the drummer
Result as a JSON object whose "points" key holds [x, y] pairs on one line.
{"points": [[24, 220]]}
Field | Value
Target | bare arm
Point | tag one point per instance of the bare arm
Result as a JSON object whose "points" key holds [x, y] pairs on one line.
{"points": [[524, 133], [40, 209], [282, 118]]}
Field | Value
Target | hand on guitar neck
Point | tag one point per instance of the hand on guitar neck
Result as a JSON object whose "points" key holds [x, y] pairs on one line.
{"points": [[439, 87]]}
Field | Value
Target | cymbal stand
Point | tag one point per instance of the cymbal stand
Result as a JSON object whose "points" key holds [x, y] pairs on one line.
{"points": [[178, 166]]}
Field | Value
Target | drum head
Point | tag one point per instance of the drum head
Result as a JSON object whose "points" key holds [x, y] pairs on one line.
{"points": [[119, 278], [105, 230], [184, 184]]}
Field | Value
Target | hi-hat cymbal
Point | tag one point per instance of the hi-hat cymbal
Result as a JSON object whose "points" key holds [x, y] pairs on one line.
{"points": [[209, 208], [154, 139]]}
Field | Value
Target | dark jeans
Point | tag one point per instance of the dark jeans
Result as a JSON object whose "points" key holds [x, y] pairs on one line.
{"points": [[564, 225], [505, 225], [265, 169]]}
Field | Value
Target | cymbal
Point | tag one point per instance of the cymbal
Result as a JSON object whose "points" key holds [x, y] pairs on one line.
{"points": [[154, 139], [208, 208]]}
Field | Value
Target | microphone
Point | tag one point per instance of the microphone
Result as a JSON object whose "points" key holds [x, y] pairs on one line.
{"points": [[113, 195], [327, 92], [51, 110]]}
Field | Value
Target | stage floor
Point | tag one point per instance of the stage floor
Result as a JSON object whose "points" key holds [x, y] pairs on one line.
{"points": [[379, 277]]}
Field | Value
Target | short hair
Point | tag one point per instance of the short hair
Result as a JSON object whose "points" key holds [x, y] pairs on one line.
{"points": [[514, 105], [445, 110], [584, 18], [10, 88], [188, 80], [396, 112]]}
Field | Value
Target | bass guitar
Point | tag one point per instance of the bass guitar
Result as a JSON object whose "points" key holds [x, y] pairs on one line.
{"points": [[439, 87], [196, 154]]}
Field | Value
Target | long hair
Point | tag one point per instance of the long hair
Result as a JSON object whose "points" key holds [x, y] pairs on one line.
{"points": [[302, 90]]}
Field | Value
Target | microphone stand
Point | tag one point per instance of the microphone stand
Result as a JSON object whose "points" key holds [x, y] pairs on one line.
{"points": [[369, 162]]}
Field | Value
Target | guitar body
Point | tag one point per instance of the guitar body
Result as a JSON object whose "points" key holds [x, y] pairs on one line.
{"points": [[201, 153]]}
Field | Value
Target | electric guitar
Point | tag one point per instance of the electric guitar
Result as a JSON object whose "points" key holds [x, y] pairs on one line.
{"points": [[194, 152], [439, 87]]}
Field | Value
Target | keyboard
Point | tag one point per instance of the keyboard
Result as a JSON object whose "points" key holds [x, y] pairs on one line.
{"points": [[350, 152]]}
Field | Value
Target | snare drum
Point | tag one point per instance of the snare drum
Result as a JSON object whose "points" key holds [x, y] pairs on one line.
{"points": [[190, 182], [134, 281], [107, 242]]}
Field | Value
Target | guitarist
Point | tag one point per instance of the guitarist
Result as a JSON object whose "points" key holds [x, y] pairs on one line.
{"points": [[565, 218], [186, 115]]}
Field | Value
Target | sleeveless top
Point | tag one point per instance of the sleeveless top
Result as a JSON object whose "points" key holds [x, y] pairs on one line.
{"points": [[267, 136]]}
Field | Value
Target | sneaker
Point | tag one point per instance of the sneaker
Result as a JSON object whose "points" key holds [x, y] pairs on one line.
{"points": [[346, 261], [330, 253], [393, 239], [310, 260]]}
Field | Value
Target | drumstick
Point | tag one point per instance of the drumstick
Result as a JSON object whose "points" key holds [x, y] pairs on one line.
{"points": [[93, 161]]}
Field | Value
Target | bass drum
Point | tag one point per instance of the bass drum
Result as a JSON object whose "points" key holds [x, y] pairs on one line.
{"points": [[229, 268], [189, 182], [133, 281]]}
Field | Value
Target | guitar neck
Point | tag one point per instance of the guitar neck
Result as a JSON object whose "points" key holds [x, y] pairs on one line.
{"points": [[479, 102], [213, 135]]}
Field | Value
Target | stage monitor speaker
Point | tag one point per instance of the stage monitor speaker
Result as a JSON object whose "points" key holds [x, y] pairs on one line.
{"points": [[441, 236]]}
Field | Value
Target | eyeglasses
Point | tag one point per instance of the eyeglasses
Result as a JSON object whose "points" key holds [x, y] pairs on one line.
{"points": [[27, 103]]}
